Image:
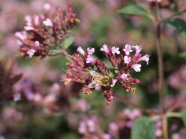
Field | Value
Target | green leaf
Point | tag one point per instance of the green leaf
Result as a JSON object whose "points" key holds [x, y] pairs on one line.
{"points": [[182, 55], [143, 128], [54, 52], [183, 115], [133, 9], [68, 41], [177, 24]]}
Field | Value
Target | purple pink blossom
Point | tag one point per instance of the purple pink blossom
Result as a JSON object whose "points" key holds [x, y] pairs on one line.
{"points": [[122, 61], [43, 32]]}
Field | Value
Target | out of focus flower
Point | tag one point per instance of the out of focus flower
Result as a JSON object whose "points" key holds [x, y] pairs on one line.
{"points": [[177, 80], [158, 128], [11, 114], [1, 137], [83, 105], [17, 97], [90, 128], [154, 0], [7, 81], [42, 32]]}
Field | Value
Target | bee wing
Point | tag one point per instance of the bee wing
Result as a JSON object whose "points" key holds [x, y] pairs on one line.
{"points": [[91, 85], [94, 85], [94, 73]]}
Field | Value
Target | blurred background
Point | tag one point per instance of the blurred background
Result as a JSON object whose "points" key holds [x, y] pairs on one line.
{"points": [[48, 111]]}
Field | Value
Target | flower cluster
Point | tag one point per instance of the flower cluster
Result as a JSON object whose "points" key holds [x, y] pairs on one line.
{"points": [[89, 128], [43, 32], [177, 79], [94, 74], [7, 81], [123, 123]]}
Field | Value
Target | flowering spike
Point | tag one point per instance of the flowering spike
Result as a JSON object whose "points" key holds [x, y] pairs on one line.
{"points": [[95, 75], [42, 32]]}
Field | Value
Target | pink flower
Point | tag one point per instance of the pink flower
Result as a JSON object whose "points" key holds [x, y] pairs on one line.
{"points": [[113, 82], [46, 6], [123, 76], [82, 127], [90, 59], [80, 50], [28, 20], [21, 35], [90, 51], [48, 22], [113, 126], [31, 52], [145, 58], [36, 20], [105, 49], [137, 67], [115, 50], [127, 59], [37, 43], [127, 49], [83, 105], [155, 1], [17, 97], [107, 136], [27, 28], [138, 49], [158, 133], [127, 112], [19, 42]]}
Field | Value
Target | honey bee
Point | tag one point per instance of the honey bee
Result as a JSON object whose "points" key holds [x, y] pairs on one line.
{"points": [[98, 80]]}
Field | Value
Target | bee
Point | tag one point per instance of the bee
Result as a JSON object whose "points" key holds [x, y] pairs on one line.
{"points": [[98, 80]]}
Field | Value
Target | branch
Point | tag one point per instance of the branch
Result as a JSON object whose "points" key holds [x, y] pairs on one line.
{"points": [[176, 105], [64, 52], [161, 74], [137, 106], [150, 14], [180, 12]]}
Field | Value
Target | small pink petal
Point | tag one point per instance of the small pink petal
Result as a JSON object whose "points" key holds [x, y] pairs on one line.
{"points": [[46, 6], [123, 76], [113, 82], [90, 51], [115, 50], [105, 49], [127, 59], [127, 49], [80, 50], [137, 67], [48, 22]]}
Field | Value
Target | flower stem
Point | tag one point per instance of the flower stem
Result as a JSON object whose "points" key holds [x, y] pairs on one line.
{"points": [[67, 56], [136, 106], [164, 121], [174, 114], [161, 74]]}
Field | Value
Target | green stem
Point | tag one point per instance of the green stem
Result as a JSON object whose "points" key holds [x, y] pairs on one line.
{"points": [[174, 114]]}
